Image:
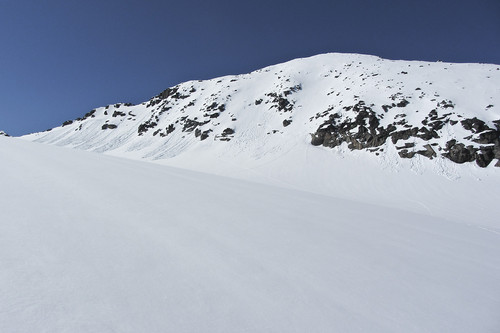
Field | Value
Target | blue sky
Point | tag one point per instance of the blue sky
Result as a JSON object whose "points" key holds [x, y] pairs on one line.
{"points": [[60, 59]]}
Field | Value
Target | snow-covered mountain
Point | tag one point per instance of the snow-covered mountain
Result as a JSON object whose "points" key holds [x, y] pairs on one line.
{"points": [[390, 109], [2, 133], [414, 135], [362, 196]]}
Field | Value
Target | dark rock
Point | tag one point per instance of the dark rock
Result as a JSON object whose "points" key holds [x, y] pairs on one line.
{"points": [[407, 145], [489, 137], [446, 104], [228, 131], [402, 103], [474, 125], [359, 127], [282, 104], [170, 129], [428, 152], [406, 154], [368, 134], [292, 90], [118, 113], [89, 114], [287, 122], [226, 135], [458, 153], [436, 126], [318, 138], [108, 126], [190, 125], [144, 127], [450, 144], [258, 101], [386, 108], [485, 156], [163, 110], [203, 135], [67, 122], [497, 124], [426, 134], [404, 134], [172, 93]]}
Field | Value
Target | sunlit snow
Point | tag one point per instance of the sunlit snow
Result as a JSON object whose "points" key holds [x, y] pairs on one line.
{"points": [[147, 227], [94, 243]]}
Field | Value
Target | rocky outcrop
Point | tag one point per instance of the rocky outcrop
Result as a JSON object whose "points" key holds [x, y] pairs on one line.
{"points": [[360, 130], [359, 127]]}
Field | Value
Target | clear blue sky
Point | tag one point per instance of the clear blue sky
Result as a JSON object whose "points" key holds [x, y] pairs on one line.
{"points": [[60, 59]]}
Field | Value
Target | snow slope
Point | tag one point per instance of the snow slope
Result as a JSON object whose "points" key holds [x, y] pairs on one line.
{"points": [[337, 193], [423, 137], [95, 243]]}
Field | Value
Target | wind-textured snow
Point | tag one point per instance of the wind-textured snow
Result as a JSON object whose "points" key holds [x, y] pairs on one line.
{"points": [[95, 243]]}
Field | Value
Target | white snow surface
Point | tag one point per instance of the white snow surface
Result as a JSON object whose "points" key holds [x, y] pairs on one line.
{"points": [[96, 243], [262, 233]]}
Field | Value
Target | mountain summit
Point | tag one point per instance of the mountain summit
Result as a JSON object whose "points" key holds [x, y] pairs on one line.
{"points": [[395, 110]]}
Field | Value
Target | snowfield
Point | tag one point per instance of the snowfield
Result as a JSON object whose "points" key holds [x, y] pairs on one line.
{"points": [[336, 193], [96, 243]]}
